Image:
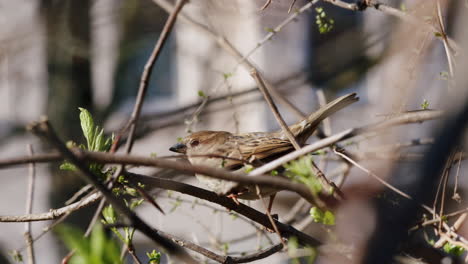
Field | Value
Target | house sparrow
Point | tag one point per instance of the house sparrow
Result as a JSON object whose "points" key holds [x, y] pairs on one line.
{"points": [[222, 149]]}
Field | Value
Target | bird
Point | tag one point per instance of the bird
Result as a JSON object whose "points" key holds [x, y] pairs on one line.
{"points": [[222, 149]]}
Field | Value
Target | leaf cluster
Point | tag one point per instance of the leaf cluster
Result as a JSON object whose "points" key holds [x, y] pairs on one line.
{"points": [[95, 139], [300, 170]]}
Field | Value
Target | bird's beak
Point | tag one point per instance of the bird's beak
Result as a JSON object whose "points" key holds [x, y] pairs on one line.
{"points": [[179, 148]]}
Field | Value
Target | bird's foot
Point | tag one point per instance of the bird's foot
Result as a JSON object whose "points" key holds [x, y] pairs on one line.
{"points": [[234, 196]]}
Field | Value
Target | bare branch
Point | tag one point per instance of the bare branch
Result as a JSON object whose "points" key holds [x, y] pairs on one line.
{"points": [[54, 213], [286, 230], [29, 206]]}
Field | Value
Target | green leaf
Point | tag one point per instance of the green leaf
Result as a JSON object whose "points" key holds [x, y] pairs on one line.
{"points": [[68, 166], [248, 168], [109, 214], [16, 255], [99, 141], [97, 242], [316, 214], [135, 203], [324, 24], [201, 94], [293, 245], [176, 204], [234, 216], [95, 139], [225, 248], [109, 141], [94, 250], [73, 239], [425, 104], [227, 75], [121, 179], [131, 191], [403, 7], [444, 75], [154, 257], [453, 249], [326, 218], [71, 144], [300, 170], [87, 126]]}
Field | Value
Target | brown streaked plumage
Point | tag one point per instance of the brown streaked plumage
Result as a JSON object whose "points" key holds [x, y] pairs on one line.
{"points": [[249, 148]]}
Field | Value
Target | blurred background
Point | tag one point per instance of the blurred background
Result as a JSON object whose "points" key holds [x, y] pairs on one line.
{"points": [[58, 55]]}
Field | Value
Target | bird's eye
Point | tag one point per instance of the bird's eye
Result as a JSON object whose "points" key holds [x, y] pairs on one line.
{"points": [[194, 143]]}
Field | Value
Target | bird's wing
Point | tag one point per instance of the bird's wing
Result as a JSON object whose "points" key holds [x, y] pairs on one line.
{"points": [[303, 130], [262, 146]]}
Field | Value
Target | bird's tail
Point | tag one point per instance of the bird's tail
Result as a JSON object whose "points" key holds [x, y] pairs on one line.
{"points": [[303, 130]]}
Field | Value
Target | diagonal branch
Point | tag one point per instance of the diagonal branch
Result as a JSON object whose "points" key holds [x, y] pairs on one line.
{"points": [[145, 77], [266, 94], [286, 230], [45, 131]]}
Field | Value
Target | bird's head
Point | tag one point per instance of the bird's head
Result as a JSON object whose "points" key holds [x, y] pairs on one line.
{"points": [[200, 142]]}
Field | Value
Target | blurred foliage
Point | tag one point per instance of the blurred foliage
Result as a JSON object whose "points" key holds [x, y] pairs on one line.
{"points": [[99, 248]]}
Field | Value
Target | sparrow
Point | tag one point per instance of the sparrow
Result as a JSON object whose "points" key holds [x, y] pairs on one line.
{"points": [[230, 151]]}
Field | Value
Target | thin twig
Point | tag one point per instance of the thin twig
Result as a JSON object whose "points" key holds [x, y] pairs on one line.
{"points": [[213, 256], [290, 217], [29, 206], [456, 195], [242, 60], [299, 76], [266, 94], [46, 229], [145, 77], [405, 16], [445, 237], [268, 213], [36, 158], [396, 190], [445, 177], [291, 6], [326, 122], [445, 40], [267, 3], [142, 89], [370, 173], [436, 220], [303, 151], [258, 255], [131, 251], [77, 195]]}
